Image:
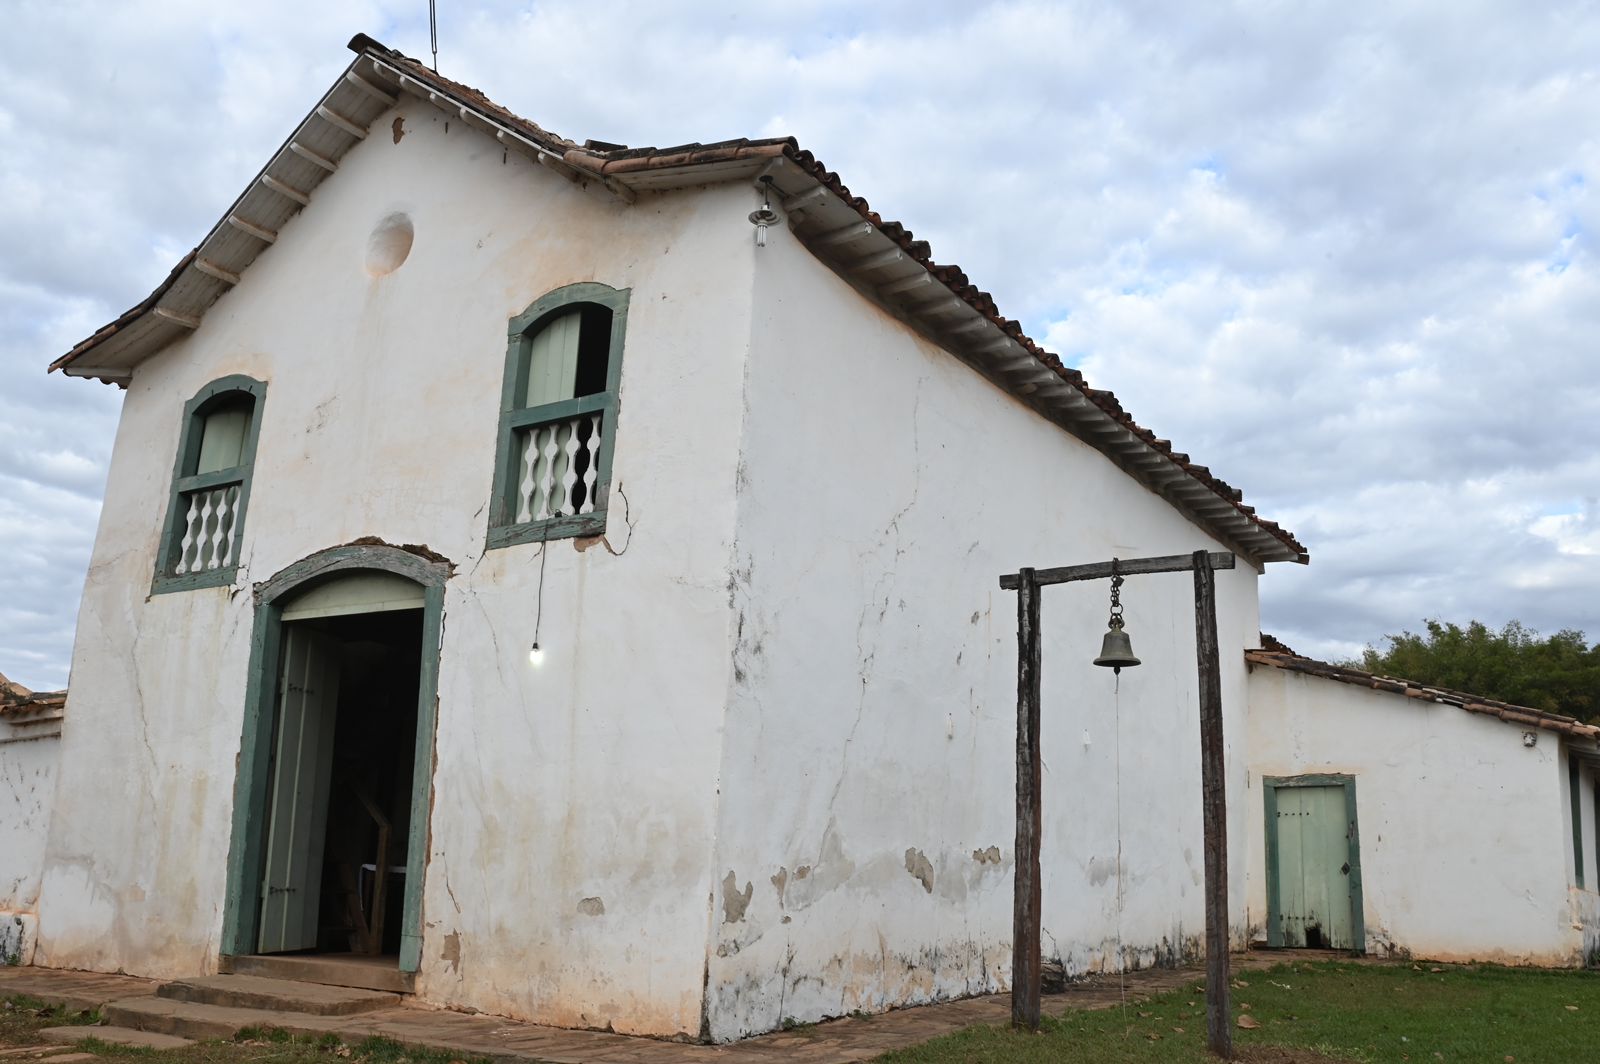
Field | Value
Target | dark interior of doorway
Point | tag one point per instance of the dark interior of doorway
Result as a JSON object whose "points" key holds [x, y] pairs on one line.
{"points": [[369, 795]]}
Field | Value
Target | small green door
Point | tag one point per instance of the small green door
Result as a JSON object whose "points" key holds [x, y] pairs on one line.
{"points": [[1313, 868], [302, 763]]}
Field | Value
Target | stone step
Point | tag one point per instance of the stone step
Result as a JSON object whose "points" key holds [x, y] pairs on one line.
{"points": [[280, 995], [117, 1036], [187, 1019], [335, 969], [32, 1052]]}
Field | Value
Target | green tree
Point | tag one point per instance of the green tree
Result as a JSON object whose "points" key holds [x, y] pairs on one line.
{"points": [[1559, 673]]}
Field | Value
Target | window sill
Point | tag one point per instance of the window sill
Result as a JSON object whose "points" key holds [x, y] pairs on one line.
{"points": [[592, 524], [192, 581]]}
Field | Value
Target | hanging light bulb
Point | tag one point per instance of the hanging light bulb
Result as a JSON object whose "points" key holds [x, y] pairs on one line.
{"points": [[764, 216], [536, 655], [1116, 650]]}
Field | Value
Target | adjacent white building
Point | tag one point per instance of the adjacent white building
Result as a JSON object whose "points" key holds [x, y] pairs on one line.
{"points": [[1405, 820], [560, 580], [30, 730]]}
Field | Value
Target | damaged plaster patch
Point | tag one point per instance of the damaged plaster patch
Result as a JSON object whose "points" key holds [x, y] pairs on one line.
{"points": [[780, 882], [735, 901], [921, 868], [451, 954], [592, 907], [399, 128], [989, 856]]}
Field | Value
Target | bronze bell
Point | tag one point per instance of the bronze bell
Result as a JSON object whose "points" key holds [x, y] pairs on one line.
{"points": [[1116, 650]]}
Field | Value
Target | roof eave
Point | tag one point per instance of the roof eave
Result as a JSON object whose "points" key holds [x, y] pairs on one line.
{"points": [[880, 259]]}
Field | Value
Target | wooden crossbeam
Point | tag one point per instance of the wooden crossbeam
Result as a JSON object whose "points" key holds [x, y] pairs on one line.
{"points": [[1167, 563]]}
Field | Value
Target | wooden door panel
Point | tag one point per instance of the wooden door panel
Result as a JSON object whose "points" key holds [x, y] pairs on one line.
{"points": [[308, 695], [1313, 872]]}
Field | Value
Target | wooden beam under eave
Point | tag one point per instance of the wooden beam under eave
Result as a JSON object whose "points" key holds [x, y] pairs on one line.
{"points": [[285, 190], [812, 197], [188, 321], [375, 91], [313, 157], [252, 229], [909, 284], [877, 260], [844, 234], [339, 121], [211, 269]]}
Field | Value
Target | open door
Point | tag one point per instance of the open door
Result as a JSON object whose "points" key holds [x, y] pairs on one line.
{"points": [[302, 763], [1313, 864]]}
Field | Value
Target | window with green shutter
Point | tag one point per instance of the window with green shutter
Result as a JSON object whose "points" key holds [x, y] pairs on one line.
{"points": [[204, 529], [558, 416]]}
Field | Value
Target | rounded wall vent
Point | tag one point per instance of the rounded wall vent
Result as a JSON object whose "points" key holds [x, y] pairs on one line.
{"points": [[389, 244]]}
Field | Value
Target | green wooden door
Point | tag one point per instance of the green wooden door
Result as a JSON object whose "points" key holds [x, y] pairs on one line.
{"points": [[302, 762], [1313, 868]]}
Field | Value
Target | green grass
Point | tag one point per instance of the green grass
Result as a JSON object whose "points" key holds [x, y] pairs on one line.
{"points": [[1319, 1012], [20, 1016]]}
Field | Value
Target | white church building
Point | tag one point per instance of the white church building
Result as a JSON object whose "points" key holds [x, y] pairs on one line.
{"points": [[560, 580]]}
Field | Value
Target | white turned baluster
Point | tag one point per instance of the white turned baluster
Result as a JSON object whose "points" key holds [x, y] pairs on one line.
{"points": [[232, 524], [569, 475], [188, 536], [203, 558], [547, 482], [591, 474], [219, 537], [530, 458]]}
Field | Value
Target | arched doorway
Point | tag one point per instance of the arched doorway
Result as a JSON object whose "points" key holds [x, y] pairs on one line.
{"points": [[336, 759]]}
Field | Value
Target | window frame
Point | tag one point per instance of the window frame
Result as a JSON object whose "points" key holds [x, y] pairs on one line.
{"points": [[189, 439], [1575, 789], [520, 332]]}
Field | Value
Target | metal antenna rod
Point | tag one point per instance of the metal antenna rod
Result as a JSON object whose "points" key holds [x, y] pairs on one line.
{"points": [[433, 34]]}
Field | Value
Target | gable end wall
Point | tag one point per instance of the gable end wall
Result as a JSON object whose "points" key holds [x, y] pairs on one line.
{"points": [[573, 805]]}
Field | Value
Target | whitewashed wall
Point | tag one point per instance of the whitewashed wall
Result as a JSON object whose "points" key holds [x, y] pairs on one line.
{"points": [[573, 805], [29, 755], [865, 841], [1466, 842]]}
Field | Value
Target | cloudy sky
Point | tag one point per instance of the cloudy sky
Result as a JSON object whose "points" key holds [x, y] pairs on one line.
{"points": [[1342, 253]]}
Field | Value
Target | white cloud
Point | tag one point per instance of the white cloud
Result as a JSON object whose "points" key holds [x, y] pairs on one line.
{"points": [[1339, 253]]}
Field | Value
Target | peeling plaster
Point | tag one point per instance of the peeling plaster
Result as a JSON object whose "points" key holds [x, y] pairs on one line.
{"points": [[734, 901], [920, 868]]}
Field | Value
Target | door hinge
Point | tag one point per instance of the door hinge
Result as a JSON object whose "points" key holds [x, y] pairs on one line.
{"points": [[1345, 869]]}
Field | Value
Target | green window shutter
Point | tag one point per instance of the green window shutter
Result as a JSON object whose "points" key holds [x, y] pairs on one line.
{"points": [[222, 436], [553, 361], [558, 416]]}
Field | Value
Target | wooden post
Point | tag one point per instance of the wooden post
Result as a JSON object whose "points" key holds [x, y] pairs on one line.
{"points": [[1219, 1034], [1030, 772]]}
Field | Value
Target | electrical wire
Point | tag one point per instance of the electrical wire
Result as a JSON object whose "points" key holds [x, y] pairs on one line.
{"points": [[538, 614]]}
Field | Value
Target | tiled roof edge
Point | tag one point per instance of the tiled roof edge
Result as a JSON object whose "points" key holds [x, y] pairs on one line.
{"points": [[1471, 703]]}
